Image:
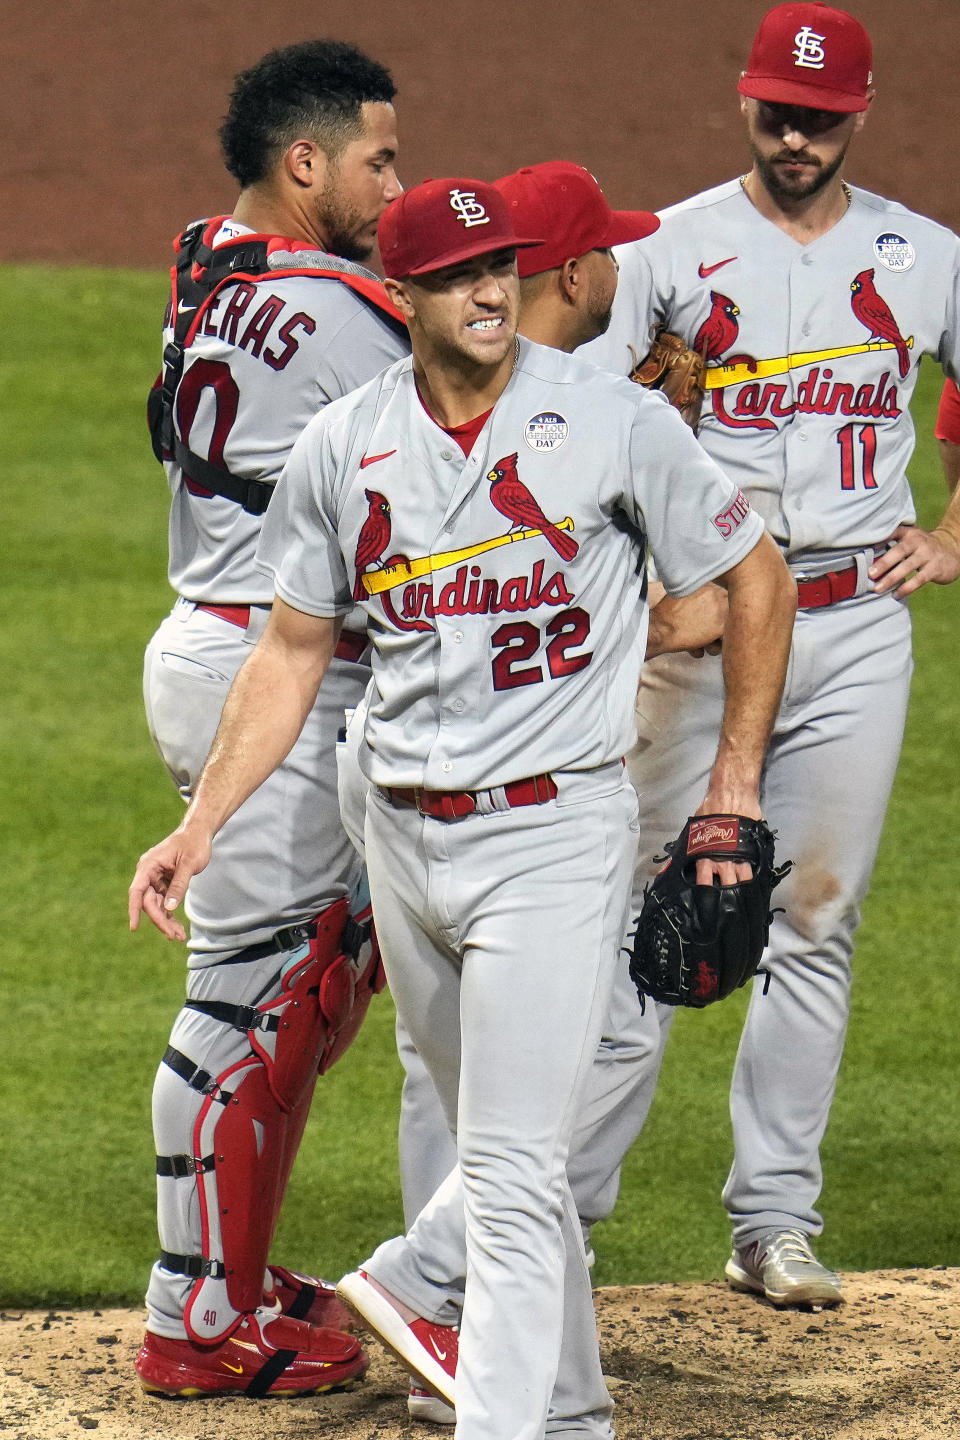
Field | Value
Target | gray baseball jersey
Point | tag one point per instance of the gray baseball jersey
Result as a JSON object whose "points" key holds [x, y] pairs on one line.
{"points": [[504, 592], [499, 575], [267, 356], [813, 351]]}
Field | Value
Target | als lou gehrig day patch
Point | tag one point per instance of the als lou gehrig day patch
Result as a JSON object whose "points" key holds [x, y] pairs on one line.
{"points": [[893, 251], [546, 431]]}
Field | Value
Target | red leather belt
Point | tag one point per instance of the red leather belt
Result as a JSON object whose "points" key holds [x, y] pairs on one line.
{"points": [[233, 614], [454, 804], [827, 589], [350, 646]]}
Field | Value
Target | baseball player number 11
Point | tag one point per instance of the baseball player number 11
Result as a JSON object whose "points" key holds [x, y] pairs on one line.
{"points": [[868, 444]]}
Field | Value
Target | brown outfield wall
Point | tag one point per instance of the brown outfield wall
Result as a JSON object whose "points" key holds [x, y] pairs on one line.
{"points": [[110, 107]]}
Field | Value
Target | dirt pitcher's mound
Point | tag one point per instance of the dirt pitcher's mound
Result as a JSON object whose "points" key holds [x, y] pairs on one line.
{"points": [[684, 1362]]}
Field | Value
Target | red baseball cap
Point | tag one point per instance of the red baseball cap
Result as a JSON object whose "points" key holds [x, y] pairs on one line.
{"points": [[810, 55], [563, 201], [442, 222]]}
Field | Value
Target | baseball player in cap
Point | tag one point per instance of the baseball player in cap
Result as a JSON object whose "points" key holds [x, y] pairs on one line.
{"points": [[566, 287], [471, 491], [566, 290], [813, 302]]}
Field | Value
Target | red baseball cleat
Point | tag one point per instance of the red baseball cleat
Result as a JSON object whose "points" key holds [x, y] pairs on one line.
{"points": [[427, 1350], [304, 1297], [265, 1355]]}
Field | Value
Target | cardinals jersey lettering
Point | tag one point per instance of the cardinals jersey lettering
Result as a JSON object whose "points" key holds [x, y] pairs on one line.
{"points": [[266, 356], [504, 591], [813, 351]]}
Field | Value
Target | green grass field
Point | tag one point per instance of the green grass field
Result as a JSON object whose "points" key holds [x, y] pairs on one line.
{"points": [[87, 1006]]}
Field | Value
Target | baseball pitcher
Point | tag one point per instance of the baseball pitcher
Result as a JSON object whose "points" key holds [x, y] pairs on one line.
{"points": [[493, 501]]}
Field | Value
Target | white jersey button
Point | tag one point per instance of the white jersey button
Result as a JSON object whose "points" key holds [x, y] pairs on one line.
{"points": [[446, 454], [806, 259], [446, 766], [458, 636], [458, 704]]}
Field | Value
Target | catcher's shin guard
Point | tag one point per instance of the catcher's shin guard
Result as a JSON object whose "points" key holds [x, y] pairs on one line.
{"points": [[250, 1123], [346, 991]]}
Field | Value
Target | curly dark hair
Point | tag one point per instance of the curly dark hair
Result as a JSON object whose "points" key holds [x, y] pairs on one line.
{"points": [[316, 88]]}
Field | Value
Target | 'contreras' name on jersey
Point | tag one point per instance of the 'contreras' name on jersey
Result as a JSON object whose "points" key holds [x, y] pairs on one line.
{"points": [[226, 318]]}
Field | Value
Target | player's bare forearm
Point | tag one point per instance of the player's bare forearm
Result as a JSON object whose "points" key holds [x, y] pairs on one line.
{"points": [[694, 622], [762, 602], [950, 459], [262, 718]]}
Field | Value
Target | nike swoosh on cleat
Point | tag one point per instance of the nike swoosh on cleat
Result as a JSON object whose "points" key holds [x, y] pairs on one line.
{"points": [[440, 1354], [704, 270], [237, 1369], [372, 459]]}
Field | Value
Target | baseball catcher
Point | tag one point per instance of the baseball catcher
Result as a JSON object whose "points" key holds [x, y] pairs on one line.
{"points": [[671, 366], [697, 943]]}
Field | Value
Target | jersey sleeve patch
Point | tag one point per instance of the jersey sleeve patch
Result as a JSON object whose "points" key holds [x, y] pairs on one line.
{"points": [[729, 520]]}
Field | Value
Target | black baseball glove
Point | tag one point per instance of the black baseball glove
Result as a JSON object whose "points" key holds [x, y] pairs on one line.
{"points": [[696, 943]]}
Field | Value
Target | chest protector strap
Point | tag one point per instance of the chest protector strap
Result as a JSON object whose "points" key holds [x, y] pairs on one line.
{"points": [[197, 274]]}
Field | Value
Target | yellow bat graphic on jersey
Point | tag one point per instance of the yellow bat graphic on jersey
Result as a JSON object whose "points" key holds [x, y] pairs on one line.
{"points": [[393, 575], [719, 376]]}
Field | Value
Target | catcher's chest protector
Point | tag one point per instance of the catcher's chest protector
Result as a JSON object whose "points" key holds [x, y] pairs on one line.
{"points": [[197, 275]]}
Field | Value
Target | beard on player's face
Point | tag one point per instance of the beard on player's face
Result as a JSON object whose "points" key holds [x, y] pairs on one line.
{"points": [[346, 232], [346, 216], [601, 271], [599, 315], [781, 185]]}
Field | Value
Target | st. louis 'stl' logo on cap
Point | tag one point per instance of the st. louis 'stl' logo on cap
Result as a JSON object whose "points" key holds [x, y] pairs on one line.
{"points": [[468, 209], [809, 53]]}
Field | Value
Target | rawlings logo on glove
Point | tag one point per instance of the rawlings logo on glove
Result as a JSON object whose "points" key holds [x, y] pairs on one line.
{"points": [[698, 943]]}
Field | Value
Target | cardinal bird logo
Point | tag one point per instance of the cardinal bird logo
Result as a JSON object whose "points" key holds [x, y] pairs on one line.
{"points": [[873, 311], [513, 499], [374, 537], [720, 329]]}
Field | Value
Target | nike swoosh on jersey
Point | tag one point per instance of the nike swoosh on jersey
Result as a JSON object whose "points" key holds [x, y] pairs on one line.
{"points": [[440, 1354], [185, 309], [704, 270], [372, 459]]}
